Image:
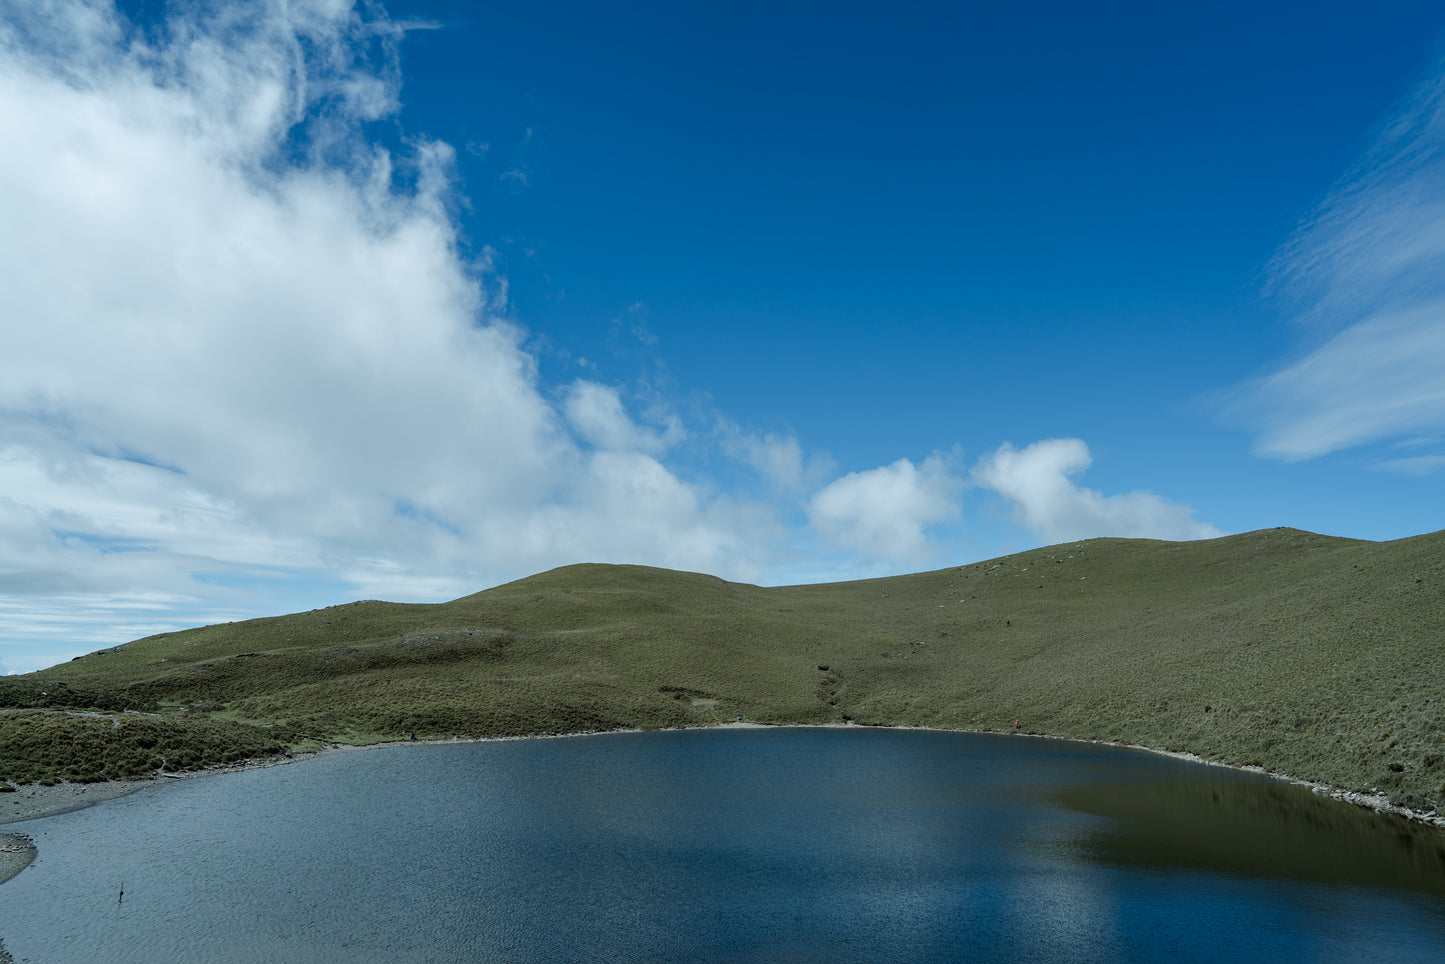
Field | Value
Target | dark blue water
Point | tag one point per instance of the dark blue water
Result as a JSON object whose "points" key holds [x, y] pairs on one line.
{"points": [[736, 845]]}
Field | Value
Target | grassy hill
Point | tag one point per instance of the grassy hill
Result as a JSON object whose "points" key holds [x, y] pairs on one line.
{"points": [[1320, 657]]}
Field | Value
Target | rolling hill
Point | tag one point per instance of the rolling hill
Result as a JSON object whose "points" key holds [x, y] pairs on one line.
{"points": [[1320, 657]]}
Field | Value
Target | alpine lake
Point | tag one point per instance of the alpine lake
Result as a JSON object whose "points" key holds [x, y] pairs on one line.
{"points": [[730, 845]]}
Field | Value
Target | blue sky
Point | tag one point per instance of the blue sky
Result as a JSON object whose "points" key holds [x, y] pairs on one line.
{"points": [[308, 303]]}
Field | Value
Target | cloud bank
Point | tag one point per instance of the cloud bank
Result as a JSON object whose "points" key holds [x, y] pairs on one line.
{"points": [[241, 339], [1367, 274]]}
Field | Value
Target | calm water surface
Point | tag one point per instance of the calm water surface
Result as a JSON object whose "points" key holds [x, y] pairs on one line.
{"points": [[736, 845]]}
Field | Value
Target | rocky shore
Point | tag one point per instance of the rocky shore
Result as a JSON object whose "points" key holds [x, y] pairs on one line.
{"points": [[16, 853]]}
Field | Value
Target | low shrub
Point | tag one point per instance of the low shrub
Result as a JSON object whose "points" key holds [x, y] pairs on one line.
{"points": [[46, 746]]}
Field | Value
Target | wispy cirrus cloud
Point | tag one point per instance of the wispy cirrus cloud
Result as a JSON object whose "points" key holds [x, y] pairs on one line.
{"points": [[1366, 277], [1414, 465]]}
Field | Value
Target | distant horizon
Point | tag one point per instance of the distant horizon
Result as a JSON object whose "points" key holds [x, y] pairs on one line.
{"points": [[312, 302]]}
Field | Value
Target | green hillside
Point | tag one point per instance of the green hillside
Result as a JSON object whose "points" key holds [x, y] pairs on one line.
{"points": [[1320, 657]]}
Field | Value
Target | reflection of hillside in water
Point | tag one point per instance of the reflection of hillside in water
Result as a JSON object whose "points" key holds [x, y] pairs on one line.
{"points": [[1258, 829]]}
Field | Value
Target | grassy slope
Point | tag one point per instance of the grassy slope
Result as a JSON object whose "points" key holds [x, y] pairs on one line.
{"points": [[1316, 656]]}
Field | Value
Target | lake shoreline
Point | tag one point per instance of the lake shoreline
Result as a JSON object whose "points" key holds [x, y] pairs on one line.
{"points": [[35, 801]]}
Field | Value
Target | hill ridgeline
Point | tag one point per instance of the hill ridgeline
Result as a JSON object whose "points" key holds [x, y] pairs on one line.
{"points": [[1319, 657]]}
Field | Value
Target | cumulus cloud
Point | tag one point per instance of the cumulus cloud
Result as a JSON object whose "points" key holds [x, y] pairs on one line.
{"points": [[886, 512], [1036, 479], [1366, 275], [182, 292], [240, 338]]}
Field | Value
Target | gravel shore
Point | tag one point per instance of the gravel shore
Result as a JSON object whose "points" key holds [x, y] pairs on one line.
{"points": [[33, 800], [17, 850]]}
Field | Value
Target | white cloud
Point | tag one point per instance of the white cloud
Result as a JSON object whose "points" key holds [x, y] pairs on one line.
{"points": [[1367, 274], [297, 343], [778, 459], [885, 512], [634, 508], [596, 413], [1380, 378], [1036, 479]]}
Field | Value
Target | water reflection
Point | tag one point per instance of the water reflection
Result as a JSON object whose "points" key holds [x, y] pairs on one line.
{"points": [[1256, 828]]}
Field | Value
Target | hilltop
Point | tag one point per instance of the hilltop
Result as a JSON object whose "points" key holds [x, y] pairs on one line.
{"points": [[1316, 656]]}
